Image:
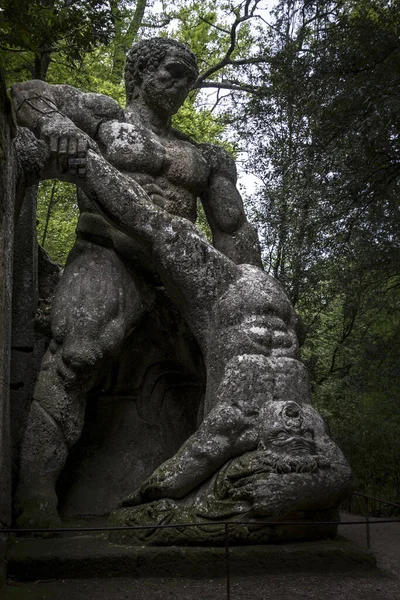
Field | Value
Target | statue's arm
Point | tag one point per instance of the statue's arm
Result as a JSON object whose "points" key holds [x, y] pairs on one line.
{"points": [[194, 273], [229, 430], [232, 233], [37, 102], [66, 118]]}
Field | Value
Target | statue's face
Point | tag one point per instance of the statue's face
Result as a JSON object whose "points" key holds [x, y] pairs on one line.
{"points": [[165, 89], [286, 430]]}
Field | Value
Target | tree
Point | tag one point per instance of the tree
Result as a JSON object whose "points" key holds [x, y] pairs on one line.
{"points": [[57, 215], [323, 123], [35, 30]]}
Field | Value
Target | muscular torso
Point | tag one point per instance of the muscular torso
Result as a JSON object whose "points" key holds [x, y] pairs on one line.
{"points": [[175, 166], [173, 170]]}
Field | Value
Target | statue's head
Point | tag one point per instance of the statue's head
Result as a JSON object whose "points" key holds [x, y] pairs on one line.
{"points": [[154, 60]]}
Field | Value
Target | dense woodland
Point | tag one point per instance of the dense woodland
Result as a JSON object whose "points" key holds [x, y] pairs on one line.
{"points": [[306, 94]]}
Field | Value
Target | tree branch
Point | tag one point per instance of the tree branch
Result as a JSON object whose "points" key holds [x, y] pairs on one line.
{"points": [[14, 49], [215, 26], [157, 25], [229, 85], [226, 60]]}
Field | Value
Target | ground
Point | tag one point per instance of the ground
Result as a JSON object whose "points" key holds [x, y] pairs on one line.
{"points": [[372, 584]]}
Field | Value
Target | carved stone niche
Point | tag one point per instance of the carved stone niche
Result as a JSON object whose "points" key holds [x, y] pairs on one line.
{"points": [[147, 404]]}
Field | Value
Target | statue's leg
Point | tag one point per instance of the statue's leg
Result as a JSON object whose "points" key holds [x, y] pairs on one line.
{"points": [[96, 305]]}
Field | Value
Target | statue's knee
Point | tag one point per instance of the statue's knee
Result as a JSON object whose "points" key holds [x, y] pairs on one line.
{"points": [[64, 367], [79, 355]]}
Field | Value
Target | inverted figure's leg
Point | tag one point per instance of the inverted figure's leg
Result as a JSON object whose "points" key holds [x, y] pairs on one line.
{"points": [[96, 305]]}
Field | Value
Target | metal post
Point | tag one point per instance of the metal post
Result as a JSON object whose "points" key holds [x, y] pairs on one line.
{"points": [[367, 523], [228, 574]]}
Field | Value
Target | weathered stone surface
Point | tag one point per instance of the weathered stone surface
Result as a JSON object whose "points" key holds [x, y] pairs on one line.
{"points": [[25, 288], [131, 431], [49, 274], [94, 556], [260, 451], [24, 303], [294, 473], [108, 287], [202, 530]]}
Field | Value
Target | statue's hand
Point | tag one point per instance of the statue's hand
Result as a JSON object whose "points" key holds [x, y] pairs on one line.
{"points": [[133, 499], [68, 144], [155, 487]]}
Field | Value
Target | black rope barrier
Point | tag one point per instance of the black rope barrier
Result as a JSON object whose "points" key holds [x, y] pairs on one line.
{"points": [[226, 524], [183, 525]]}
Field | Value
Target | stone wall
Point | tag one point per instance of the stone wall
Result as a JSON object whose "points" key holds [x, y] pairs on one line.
{"points": [[24, 305], [8, 186]]}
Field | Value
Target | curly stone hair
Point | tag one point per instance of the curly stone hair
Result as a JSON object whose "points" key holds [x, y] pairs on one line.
{"points": [[148, 54]]}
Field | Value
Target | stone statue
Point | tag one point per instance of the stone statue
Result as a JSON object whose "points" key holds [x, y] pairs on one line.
{"points": [[107, 286], [261, 451]]}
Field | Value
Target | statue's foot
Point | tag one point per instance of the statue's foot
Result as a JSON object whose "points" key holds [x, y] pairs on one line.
{"points": [[38, 513]]}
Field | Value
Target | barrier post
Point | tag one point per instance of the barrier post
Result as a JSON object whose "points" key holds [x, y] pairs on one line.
{"points": [[367, 523], [228, 574]]}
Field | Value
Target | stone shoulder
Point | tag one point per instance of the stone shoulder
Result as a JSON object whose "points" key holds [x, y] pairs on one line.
{"points": [[220, 161], [97, 102]]}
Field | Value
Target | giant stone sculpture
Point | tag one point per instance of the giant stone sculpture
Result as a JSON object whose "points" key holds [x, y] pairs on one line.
{"points": [[261, 450]]}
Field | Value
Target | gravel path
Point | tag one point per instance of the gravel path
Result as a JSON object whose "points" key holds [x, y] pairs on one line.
{"points": [[385, 541], [375, 585], [292, 587]]}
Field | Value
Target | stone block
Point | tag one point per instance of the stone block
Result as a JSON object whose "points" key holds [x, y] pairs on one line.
{"points": [[93, 556]]}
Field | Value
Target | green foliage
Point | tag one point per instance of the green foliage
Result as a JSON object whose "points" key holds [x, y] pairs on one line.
{"points": [[323, 130], [37, 29], [202, 223], [94, 74], [127, 23], [198, 124], [57, 216], [361, 403]]}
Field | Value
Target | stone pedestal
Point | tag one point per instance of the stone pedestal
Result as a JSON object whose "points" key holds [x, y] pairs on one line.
{"points": [[94, 556]]}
